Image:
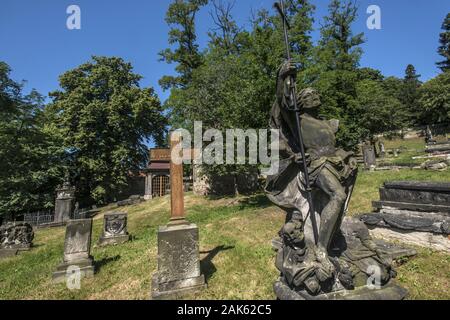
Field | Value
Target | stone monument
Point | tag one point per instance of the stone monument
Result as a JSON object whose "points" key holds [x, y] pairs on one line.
{"points": [[77, 248], [323, 254], [64, 204], [370, 159], [416, 213], [178, 244], [114, 229], [15, 237]]}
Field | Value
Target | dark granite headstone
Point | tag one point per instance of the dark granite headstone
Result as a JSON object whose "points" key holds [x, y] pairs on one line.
{"points": [[178, 262], [114, 229], [77, 248], [417, 196], [413, 212]]}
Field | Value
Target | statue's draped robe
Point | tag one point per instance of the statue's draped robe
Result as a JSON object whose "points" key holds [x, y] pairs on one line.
{"points": [[286, 187]]}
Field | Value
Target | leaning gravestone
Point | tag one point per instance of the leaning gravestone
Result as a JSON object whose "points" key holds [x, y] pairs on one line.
{"points": [[14, 238], [114, 229], [413, 212], [178, 245], [77, 248]]}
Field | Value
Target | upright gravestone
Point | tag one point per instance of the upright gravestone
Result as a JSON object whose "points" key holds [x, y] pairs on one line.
{"points": [[114, 229], [77, 248], [370, 160], [382, 149], [178, 244], [64, 205]]}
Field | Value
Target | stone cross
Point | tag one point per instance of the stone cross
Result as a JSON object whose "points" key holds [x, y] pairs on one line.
{"points": [[179, 270], [176, 181]]}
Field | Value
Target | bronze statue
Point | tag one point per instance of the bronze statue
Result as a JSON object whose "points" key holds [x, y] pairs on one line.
{"points": [[321, 253]]}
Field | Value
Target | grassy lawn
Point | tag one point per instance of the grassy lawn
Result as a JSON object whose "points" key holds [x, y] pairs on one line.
{"points": [[235, 235]]}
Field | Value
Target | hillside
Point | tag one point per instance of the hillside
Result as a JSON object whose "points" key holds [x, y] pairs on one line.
{"points": [[235, 243]]}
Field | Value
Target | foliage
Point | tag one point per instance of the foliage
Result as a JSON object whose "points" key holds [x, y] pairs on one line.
{"points": [[444, 48], [29, 157], [105, 119], [409, 93], [435, 100], [337, 59]]}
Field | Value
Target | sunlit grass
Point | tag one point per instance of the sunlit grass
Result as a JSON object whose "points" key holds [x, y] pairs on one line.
{"points": [[235, 236]]}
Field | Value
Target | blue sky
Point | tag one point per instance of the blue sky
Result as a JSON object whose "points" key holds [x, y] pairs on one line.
{"points": [[36, 43]]}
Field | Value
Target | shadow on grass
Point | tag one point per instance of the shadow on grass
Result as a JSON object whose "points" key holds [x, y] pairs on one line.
{"points": [[259, 200], [206, 265], [101, 263]]}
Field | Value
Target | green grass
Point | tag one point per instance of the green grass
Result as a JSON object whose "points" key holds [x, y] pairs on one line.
{"points": [[409, 148], [237, 257]]}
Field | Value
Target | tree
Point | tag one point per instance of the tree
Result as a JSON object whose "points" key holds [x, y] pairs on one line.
{"points": [[105, 119], [225, 34], [336, 61], [410, 92], [444, 49], [181, 16], [380, 111], [30, 159], [435, 100]]}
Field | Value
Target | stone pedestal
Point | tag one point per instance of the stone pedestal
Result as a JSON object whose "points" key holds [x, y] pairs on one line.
{"points": [[14, 238], [178, 262], [77, 248], [390, 291], [64, 204], [114, 229]]}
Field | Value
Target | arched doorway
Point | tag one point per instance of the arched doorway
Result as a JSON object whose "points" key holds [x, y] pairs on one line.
{"points": [[160, 185]]}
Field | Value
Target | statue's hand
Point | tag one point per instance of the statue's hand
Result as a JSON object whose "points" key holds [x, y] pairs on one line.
{"points": [[288, 69], [299, 159]]}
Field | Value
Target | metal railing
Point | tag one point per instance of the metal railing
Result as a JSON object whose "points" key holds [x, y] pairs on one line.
{"points": [[39, 218]]}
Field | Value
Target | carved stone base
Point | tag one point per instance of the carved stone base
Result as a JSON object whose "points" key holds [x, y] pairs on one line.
{"points": [[178, 262], [86, 267], [391, 291], [177, 289], [109, 241]]}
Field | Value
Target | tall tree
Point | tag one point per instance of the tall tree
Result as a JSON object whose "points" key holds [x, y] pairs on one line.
{"points": [[336, 61], [435, 100], [444, 49], [226, 32], [300, 13], [410, 92], [105, 120], [181, 17], [30, 160]]}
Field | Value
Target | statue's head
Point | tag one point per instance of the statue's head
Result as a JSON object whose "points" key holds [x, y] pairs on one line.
{"points": [[309, 98]]}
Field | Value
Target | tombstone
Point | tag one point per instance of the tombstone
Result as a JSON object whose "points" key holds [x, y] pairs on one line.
{"points": [[417, 213], [429, 139], [114, 229], [369, 156], [77, 249], [64, 205], [14, 238], [382, 149], [178, 245]]}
